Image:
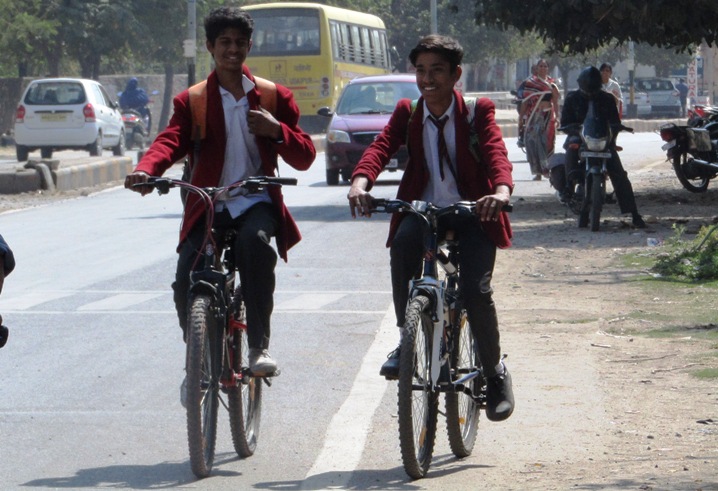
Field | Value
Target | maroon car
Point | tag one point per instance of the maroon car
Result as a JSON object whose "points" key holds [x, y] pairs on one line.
{"points": [[363, 109]]}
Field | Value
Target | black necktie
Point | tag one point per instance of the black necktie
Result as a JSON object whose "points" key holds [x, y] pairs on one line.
{"points": [[443, 151]]}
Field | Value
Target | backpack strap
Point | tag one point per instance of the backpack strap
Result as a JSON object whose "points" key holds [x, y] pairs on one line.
{"points": [[267, 94], [198, 108]]}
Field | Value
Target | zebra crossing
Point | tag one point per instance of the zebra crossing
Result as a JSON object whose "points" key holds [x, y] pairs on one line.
{"points": [[160, 302]]}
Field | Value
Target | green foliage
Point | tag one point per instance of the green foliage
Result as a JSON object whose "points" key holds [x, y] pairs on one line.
{"points": [[581, 25], [696, 260]]}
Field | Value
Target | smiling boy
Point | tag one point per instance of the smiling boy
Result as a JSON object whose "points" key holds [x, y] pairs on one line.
{"points": [[456, 153]]}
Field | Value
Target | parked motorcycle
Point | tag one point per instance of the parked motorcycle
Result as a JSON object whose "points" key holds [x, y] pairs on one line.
{"points": [[587, 194], [693, 152], [701, 115], [136, 128]]}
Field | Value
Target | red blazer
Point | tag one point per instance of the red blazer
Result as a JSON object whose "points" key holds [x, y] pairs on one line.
{"points": [[475, 178], [175, 143]]}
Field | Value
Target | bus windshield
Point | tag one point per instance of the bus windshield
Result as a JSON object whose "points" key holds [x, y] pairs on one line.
{"points": [[282, 32]]}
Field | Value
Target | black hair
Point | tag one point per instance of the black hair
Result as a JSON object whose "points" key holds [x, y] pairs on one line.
{"points": [[605, 65], [445, 46], [223, 18]]}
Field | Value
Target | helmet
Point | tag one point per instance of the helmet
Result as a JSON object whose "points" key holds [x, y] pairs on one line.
{"points": [[589, 80]]}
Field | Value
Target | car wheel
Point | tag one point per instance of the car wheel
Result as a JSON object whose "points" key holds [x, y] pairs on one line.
{"points": [[119, 149], [96, 148], [332, 177], [346, 174], [22, 153], [46, 152]]}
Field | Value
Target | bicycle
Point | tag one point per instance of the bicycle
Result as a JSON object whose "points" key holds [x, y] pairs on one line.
{"points": [[444, 356], [217, 350]]}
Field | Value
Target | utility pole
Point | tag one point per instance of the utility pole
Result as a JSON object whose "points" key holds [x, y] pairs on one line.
{"points": [[434, 20], [190, 44], [631, 109]]}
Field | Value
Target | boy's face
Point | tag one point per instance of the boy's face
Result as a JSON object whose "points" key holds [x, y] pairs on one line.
{"points": [[230, 50], [435, 78]]}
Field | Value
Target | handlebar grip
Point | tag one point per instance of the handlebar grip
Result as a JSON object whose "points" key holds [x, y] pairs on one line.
{"points": [[284, 181]]}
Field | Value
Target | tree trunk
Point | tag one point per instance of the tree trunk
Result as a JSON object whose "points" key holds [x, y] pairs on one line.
{"points": [[167, 102]]}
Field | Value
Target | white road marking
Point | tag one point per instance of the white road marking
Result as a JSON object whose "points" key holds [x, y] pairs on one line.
{"points": [[311, 301], [30, 299], [119, 301], [347, 432]]}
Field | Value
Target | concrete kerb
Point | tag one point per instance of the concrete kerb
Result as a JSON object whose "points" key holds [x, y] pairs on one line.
{"points": [[87, 172], [54, 175]]}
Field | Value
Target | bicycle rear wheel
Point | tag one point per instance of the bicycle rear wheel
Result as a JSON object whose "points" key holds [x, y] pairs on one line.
{"points": [[418, 402], [204, 363], [463, 407], [245, 399]]}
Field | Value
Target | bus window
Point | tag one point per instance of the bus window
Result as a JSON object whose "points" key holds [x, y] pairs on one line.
{"points": [[278, 32]]}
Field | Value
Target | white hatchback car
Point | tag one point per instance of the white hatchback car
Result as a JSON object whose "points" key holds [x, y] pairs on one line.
{"points": [[67, 113]]}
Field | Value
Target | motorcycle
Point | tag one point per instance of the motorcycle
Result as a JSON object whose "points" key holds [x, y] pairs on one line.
{"points": [[701, 115], [136, 128], [693, 152], [595, 141]]}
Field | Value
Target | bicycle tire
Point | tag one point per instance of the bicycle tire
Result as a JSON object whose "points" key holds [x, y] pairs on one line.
{"points": [[598, 191], [417, 401], [204, 362], [245, 400], [462, 409]]}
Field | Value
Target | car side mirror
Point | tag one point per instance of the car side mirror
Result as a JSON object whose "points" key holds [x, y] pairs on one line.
{"points": [[325, 111]]}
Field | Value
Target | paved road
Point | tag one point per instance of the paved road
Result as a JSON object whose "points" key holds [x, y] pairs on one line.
{"points": [[90, 376]]}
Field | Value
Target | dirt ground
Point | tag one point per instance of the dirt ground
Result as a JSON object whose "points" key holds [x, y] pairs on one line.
{"points": [[646, 340]]}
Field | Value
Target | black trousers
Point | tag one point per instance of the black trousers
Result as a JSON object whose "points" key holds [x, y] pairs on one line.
{"points": [[617, 174], [477, 255], [255, 259]]}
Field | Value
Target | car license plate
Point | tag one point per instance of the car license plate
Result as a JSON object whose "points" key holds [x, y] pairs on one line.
{"points": [[53, 118], [597, 155], [668, 145], [393, 164]]}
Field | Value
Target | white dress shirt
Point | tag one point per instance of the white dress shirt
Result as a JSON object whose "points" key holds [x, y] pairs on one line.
{"points": [[241, 156], [438, 192]]}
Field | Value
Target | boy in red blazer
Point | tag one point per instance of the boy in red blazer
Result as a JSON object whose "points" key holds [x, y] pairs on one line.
{"points": [[442, 177], [241, 139]]}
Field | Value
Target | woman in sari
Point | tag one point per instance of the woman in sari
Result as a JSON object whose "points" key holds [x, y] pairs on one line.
{"points": [[538, 119]]}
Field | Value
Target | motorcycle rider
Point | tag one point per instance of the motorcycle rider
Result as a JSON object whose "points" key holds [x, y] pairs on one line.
{"points": [[134, 97], [574, 111]]}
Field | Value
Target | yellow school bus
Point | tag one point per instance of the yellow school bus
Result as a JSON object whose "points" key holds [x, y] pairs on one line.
{"points": [[314, 50]]}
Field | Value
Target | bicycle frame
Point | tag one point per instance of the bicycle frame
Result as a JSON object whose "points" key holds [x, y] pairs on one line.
{"points": [[443, 305], [216, 335]]}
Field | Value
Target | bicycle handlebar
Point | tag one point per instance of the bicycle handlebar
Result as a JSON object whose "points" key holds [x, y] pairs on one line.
{"points": [[462, 208], [252, 184]]}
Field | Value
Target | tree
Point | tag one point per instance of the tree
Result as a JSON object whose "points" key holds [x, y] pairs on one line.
{"points": [[577, 26], [27, 33]]}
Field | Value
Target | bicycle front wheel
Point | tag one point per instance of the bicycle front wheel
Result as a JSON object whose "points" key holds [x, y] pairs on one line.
{"points": [[463, 406], [204, 362], [245, 399], [418, 402]]}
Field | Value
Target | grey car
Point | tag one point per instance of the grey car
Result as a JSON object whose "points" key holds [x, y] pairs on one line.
{"points": [[665, 98]]}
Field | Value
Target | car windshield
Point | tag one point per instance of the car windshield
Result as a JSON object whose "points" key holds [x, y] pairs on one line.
{"points": [[654, 85], [56, 93], [375, 97]]}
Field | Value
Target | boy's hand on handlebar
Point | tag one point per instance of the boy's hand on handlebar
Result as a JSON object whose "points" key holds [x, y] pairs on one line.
{"points": [[138, 178], [489, 207], [359, 200]]}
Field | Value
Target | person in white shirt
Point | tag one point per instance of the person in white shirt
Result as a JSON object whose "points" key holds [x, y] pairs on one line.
{"points": [[611, 86]]}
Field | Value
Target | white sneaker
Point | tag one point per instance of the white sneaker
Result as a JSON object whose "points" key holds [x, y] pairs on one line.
{"points": [[261, 362], [183, 393]]}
